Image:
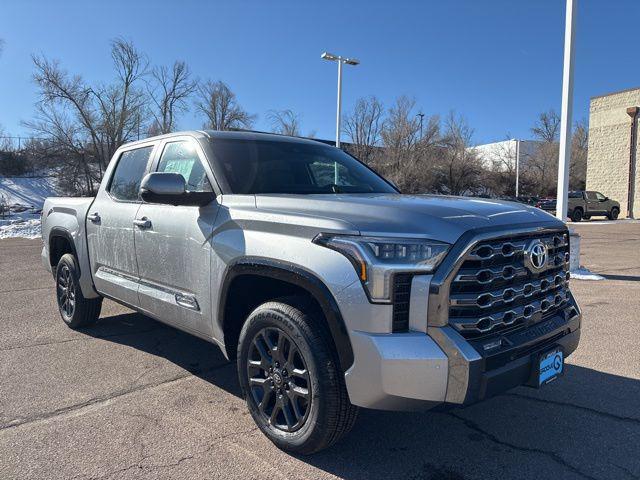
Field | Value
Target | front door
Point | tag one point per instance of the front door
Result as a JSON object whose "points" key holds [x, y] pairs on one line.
{"points": [[173, 247], [593, 204], [110, 227]]}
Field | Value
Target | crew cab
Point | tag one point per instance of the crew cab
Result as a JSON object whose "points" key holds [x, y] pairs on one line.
{"points": [[330, 288], [584, 205]]}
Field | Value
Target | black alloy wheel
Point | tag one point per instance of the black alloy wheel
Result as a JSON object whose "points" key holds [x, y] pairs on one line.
{"points": [[279, 379], [66, 291]]}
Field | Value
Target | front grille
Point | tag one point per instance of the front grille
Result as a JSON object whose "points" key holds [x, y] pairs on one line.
{"points": [[400, 299], [496, 288]]}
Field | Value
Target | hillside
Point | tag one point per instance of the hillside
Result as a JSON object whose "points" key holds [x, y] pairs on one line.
{"points": [[28, 191]]}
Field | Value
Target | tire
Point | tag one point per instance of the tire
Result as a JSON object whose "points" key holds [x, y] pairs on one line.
{"points": [[76, 310], [613, 214], [275, 394], [576, 215]]}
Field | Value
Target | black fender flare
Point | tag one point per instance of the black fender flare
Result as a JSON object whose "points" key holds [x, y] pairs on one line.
{"points": [[64, 233], [296, 275]]}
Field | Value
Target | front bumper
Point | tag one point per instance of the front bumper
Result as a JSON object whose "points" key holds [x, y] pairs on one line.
{"points": [[414, 371]]}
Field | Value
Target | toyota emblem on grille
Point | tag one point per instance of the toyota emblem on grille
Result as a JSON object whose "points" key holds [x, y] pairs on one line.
{"points": [[536, 256]]}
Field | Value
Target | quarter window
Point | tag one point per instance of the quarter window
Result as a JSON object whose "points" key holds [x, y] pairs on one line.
{"points": [[125, 183], [182, 158]]}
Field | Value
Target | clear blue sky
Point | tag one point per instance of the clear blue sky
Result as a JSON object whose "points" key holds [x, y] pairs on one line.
{"points": [[499, 63]]}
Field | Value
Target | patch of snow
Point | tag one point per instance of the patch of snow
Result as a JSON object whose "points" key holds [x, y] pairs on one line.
{"points": [[583, 273], [25, 225], [28, 191]]}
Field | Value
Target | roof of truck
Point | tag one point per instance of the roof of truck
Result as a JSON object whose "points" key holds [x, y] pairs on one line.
{"points": [[230, 134]]}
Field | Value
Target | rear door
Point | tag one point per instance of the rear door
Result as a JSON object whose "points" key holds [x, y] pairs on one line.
{"points": [[110, 226], [173, 248]]}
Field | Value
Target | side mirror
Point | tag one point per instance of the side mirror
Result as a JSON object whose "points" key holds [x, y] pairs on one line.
{"points": [[170, 188]]}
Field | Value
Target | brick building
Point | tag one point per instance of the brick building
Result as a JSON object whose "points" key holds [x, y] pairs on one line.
{"points": [[613, 143]]}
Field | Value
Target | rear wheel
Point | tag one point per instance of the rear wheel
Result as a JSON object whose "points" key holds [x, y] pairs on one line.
{"points": [[289, 376], [576, 215], [613, 214], [76, 310]]}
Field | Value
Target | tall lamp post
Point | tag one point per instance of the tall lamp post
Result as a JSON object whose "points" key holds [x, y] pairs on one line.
{"points": [[340, 60], [566, 112]]}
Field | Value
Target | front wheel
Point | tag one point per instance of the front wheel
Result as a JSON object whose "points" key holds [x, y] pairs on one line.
{"points": [[76, 310], [290, 379], [613, 214]]}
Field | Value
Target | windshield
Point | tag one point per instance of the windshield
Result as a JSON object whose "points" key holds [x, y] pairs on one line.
{"points": [[265, 166]]}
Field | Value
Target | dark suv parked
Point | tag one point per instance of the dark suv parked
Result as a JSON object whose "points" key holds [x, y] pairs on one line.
{"points": [[585, 205]]}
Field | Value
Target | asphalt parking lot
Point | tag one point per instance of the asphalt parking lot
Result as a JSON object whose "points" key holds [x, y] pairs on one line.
{"points": [[131, 398]]}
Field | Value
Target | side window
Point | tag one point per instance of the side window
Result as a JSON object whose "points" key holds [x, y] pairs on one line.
{"points": [[125, 183], [182, 157], [591, 196], [600, 196]]}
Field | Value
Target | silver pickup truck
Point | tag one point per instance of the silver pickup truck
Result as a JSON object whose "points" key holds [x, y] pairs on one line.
{"points": [[331, 289]]}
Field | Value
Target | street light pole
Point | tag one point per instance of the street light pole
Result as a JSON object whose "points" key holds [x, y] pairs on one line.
{"points": [[340, 60], [421, 115], [517, 168], [566, 113], [339, 106]]}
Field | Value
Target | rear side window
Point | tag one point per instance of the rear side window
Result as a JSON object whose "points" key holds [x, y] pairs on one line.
{"points": [[575, 195], [125, 183], [182, 158]]}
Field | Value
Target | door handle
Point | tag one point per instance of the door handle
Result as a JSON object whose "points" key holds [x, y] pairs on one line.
{"points": [[143, 222], [94, 218]]}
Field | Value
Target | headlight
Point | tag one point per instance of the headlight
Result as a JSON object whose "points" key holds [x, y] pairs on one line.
{"points": [[376, 259]]}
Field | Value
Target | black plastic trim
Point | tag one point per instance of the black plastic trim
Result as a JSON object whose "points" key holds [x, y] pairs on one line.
{"points": [[296, 275], [64, 233]]}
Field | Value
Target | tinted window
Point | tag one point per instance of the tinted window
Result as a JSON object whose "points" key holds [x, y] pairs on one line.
{"points": [[125, 183], [264, 166], [575, 194], [182, 158]]}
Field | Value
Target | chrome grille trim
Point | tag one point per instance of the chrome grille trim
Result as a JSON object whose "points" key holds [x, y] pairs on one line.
{"points": [[494, 288], [527, 290]]}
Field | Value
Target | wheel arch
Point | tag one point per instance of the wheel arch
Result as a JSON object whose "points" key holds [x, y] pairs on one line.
{"points": [[278, 273], [61, 242]]}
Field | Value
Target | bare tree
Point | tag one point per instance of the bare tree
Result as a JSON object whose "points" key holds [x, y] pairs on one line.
{"points": [[102, 116], [579, 150], [460, 168], [547, 127], [364, 127], [220, 107], [5, 141], [401, 131], [169, 90], [284, 122]]}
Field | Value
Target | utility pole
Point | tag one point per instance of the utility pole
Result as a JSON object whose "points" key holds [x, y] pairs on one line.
{"points": [[566, 113], [421, 115]]}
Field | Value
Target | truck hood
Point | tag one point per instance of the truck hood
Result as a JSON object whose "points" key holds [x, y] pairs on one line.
{"points": [[442, 218]]}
